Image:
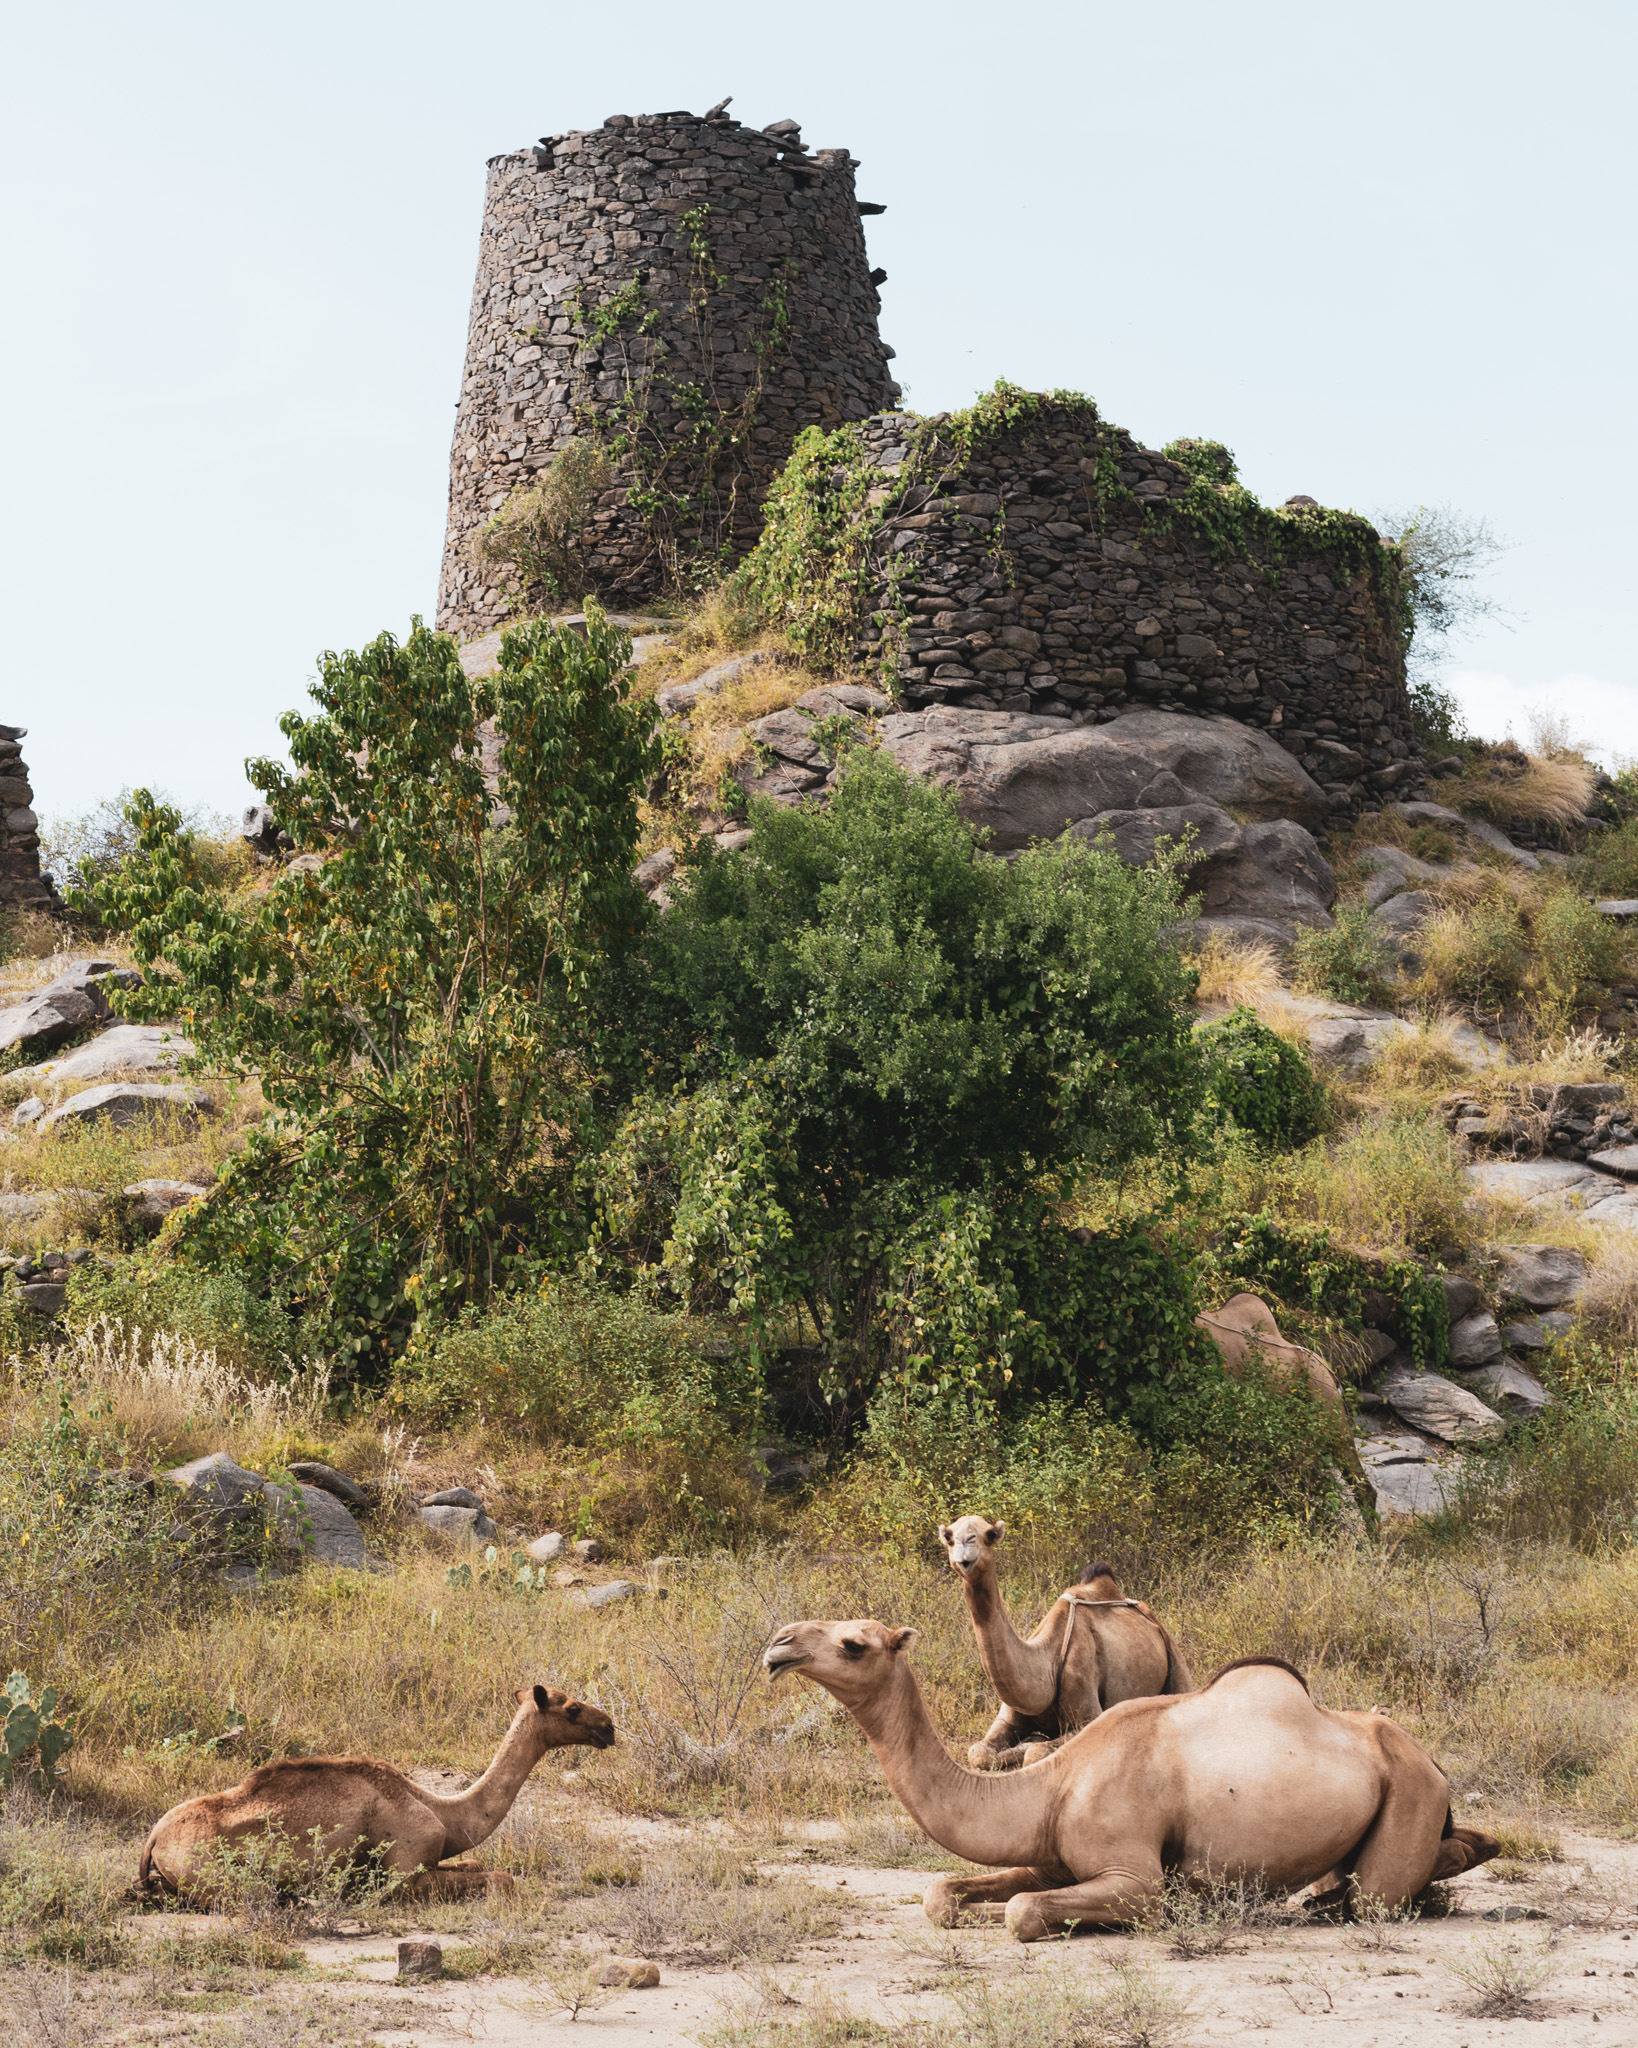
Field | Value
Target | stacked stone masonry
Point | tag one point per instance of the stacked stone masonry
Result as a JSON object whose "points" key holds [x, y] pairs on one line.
{"points": [[21, 883], [775, 326], [1007, 581]]}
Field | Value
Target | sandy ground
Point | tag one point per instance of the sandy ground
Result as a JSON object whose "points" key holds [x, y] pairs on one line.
{"points": [[1293, 1983]]}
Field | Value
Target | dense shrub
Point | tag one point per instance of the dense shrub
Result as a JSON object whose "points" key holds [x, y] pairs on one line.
{"points": [[1261, 1081], [414, 1009], [1347, 960], [1475, 953], [870, 1060], [1309, 1267]]}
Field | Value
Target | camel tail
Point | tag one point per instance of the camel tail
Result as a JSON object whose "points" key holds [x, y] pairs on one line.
{"points": [[148, 1880], [1178, 1678]]}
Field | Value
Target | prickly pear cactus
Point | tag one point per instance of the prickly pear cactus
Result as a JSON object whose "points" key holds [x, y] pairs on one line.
{"points": [[32, 1738]]}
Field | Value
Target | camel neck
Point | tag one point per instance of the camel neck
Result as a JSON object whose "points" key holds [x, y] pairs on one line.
{"points": [[1025, 1675], [984, 1817], [472, 1816]]}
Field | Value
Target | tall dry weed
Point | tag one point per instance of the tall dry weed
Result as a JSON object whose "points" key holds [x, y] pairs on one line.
{"points": [[1239, 972]]}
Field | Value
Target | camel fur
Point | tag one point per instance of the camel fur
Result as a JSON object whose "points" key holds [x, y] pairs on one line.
{"points": [[1244, 1331], [322, 1808], [1248, 1778], [1081, 1660]]}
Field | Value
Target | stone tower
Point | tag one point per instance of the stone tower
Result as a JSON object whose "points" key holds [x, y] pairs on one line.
{"points": [[683, 292]]}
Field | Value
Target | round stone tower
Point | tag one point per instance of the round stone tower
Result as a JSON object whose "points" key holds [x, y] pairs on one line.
{"points": [[679, 295]]}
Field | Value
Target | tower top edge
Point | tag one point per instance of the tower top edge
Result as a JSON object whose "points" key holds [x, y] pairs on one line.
{"points": [[635, 129]]}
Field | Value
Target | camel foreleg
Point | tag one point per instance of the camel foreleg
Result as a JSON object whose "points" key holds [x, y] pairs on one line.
{"points": [[1114, 1898], [1002, 1745], [950, 1900], [1463, 1849], [455, 1881]]}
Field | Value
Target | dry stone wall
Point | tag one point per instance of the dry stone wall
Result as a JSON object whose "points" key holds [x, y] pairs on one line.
{"points": [[21, 882], [672, 279], [1055, 569]]}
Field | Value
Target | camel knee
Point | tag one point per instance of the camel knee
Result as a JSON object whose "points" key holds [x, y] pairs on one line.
{"points": [[1032, 1752], [1026, 1921], [986, 1756], [1463, 1849]]}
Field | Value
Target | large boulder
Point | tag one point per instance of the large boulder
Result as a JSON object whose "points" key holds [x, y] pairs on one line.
{"points": [[1406, 1478], [77, 997], [1428, 1401], [1273, 873], [153, 1200], [124, 1102], [1022, 777], [1544, 1275], [313, 1525], [122, 1049]]}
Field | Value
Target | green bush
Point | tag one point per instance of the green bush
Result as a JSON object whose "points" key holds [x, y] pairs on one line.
{"points": [[1261, 1081], [1304, 1264], [864, 1063], [1578, 954], [1479, 953], [1347, 960]]}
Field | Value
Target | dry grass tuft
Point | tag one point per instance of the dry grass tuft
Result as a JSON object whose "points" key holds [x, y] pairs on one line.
{"points": [[1237, 972], [1502, 1975], [1425, 1059], [1543, 792]]}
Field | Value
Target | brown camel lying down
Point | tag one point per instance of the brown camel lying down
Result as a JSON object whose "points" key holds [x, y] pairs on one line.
{"points": [[349, 1806], [1094, 1648], [1244, 1328], [1248, 1778]]}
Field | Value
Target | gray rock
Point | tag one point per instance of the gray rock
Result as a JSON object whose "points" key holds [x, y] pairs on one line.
{"points": [[1024, 778], [335, 1537], [1529, 1334], [1340, 1042], [547, 1549], [589, 1550], [26, 1208], [605, 1596], [1273, 871], [124, 1102], [1471, 828], [420, 1960], [260, 827], [1621, 1159], [1544, 1275], [75, 998], [731, 842], [310, 1472], [461, 1525], [29, 1112], [1618, 906], [122, 1049], [1544, 1181], [153, 1200], [1511, 1912], [1399, 920], [1460, 1294], [659, 867], [217, 1481], [676, 698], [454, 1497], [1475, 1339], [1430, 1402], [42, 1297], [1509, 1387], [1405, 1477]]}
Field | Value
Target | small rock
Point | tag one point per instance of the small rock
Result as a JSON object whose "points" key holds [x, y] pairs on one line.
{"points": [[1621, 1159], [1429, 1401], [152, 1201], [606, 1596], [454, 1497], [29, 1112], [42, 1297], [545, 1548], [1526, 1335], [731, 842], [1475, 1339], [1405, 1477], [659, 867], [420, 1960], [311, 1473], [331, 1537], [566, 1578], [1511, 1912], [462, 1525], [1460, 1295], [77, 997], [616, 1975], [123, 1102], [1510, 1387], [1544, 1275], [589, 1550]]}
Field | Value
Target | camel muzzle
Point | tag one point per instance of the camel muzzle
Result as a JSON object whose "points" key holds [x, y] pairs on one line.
{"points": [[782, 1657]]}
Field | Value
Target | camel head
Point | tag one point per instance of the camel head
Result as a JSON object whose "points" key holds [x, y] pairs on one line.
{"points": [[852, 1660], [969, 1542], [558, 1722]]}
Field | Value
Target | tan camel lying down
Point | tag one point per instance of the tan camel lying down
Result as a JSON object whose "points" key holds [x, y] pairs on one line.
{"points": [[349, 1806], [1248, 1778], [1094, 1648]]}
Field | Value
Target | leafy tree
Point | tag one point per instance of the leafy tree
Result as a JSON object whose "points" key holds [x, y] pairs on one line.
{"points": [[872, 1062], [413, 1006], [1444, 553]]}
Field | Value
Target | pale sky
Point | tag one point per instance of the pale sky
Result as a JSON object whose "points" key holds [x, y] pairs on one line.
{"points": [[1386, 256]]}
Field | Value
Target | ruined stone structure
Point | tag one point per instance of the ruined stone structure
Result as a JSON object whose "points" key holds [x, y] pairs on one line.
{"points": [[21, 882], [1059, 568], [693, 291]]}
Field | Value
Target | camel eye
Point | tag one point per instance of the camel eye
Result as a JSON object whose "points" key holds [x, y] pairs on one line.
{"points": [[572, 1710], [852, 1648]]}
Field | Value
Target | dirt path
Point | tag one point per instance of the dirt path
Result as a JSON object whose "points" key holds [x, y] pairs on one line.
{"points": [[1287, 1985]]}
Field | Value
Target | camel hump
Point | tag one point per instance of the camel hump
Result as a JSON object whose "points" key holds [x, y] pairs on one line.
{"points": [[1250, 1663], [1106, 1572]]}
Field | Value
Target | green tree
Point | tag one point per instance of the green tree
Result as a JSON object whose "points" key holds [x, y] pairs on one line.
{"points": [[414, 1006], [872, 1062]]}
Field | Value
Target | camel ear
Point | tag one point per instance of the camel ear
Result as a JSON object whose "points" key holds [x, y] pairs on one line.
{"points": [[946, 1535], [900, 1639], [546, 1697], [995, 1532]]}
